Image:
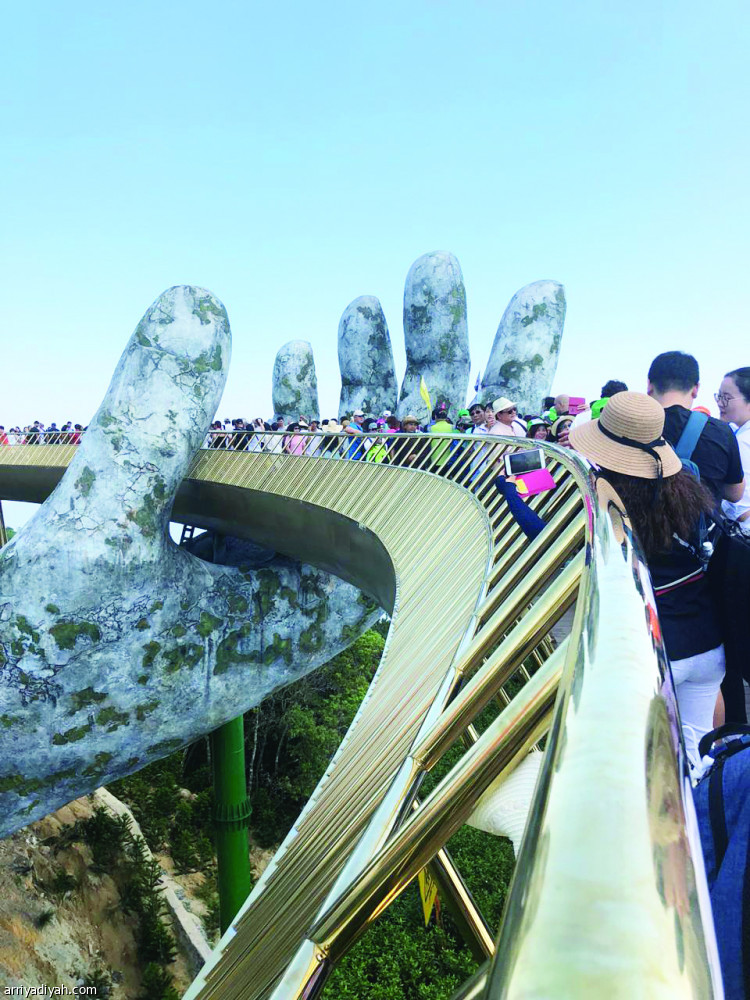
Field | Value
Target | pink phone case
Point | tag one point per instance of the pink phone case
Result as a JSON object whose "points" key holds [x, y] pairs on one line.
{"points": [[576, 405], [536, 482]]}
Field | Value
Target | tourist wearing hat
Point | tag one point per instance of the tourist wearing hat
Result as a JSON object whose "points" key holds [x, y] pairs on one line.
{"points": [[404, 452], [537, 428], [463, 421], [559, 432], [355, 451], [506, 417], [666, 507]]}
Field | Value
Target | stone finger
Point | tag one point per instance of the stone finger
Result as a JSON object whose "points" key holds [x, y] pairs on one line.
{"points": [[436, 335], [526, 348], [368, 374], [295, 384], [117, 493]]}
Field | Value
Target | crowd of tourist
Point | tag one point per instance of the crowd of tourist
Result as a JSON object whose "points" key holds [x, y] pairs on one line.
{"points": [[675, 469], [37, 433]]}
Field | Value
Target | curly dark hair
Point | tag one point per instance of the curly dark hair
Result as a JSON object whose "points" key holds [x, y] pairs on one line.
{"points": [[660, 509]]}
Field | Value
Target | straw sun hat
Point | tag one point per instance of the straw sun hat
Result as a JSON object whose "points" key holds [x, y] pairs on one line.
{"points": [[627, 438]]}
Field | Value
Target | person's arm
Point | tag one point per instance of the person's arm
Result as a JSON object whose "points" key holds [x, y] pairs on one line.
{"points": [[734, 483], [528, 520], [734, 491]]}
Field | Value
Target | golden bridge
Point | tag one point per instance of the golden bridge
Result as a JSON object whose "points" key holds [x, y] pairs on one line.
{"points": [[608, 898]]}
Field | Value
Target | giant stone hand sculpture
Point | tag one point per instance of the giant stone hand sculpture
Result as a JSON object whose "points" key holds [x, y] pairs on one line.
{"points": [[116, 645], [521, 366]]}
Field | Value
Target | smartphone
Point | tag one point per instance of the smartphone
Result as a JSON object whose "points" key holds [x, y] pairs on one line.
{"points": [[524, 461], [576, 405]]}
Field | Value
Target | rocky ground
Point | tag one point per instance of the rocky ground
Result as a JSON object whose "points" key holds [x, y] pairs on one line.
{"points": [[61, 923]]}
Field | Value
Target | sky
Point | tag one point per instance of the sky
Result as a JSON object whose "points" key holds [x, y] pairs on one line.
{"points": [[294, 156]]}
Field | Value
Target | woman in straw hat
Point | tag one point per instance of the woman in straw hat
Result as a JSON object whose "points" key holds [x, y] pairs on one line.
{"points": [[665, 506]]}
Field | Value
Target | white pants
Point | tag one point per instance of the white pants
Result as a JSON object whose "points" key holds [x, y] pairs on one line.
{"points": [[697, 680]]}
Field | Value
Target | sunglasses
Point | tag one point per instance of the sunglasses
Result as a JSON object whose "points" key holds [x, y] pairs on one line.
{"points": [[512, 410]]}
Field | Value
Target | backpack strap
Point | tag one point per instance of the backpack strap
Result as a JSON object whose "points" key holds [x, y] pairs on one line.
{"points": [[728, 729], [717, 817], [691, 432]]}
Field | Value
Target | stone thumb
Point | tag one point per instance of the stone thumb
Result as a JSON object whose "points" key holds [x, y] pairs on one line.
{"points": [[164, 392]]}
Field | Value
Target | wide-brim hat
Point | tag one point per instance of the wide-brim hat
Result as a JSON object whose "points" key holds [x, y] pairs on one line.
{"points": [[409, 419], [565, 420], [502, 404], [628, 438], [334, 425]]}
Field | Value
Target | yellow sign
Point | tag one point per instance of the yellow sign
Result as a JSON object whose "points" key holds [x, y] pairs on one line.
{"points": [[428, 891]]}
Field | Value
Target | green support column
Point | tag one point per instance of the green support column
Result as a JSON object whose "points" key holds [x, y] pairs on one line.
{"points": [[231, 815]]}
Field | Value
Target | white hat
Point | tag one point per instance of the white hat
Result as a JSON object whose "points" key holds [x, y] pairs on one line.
{"points": [[503, 403], [358, 413], [387, 413]]}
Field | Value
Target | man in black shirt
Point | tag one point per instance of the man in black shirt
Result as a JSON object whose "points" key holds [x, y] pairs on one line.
{"points": [[673, 380]]}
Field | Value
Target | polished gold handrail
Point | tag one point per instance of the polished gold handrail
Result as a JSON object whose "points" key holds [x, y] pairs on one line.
{"points": [[353, 850]]}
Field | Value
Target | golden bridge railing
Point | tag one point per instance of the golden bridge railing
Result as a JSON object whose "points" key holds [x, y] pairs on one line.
{"points": [[609, 893]]}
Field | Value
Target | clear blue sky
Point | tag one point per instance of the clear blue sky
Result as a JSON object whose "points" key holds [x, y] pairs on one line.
{"points": [[290, 157]]}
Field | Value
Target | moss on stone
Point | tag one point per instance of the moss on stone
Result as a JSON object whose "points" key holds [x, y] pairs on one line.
{"points": [[279, 648], [112, 718], [71, 735], [164, 747], [8, 721], [182, 656], [538, 310], [227, 652], [156, 606], [142, 624], [205, 309], [151, 649], [237, 604], [207, 624], [178, 631], [147, 516], [141, 711], [67, 632], [98, 766], [208, 362], [289, 595], [52, 609], [85, 481], [23, 786], [311, 639], [120, 542], [82, 699], [106, 419], [143, 679]]}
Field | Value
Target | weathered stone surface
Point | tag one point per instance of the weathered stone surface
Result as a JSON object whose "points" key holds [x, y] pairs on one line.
{"points": [[368, 374], [436, 334], [295, 384], [116, 645], [524, 353]]}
